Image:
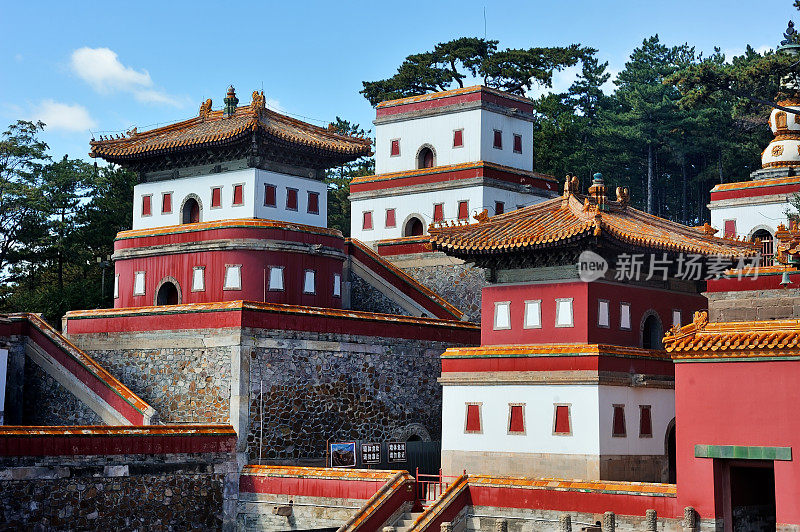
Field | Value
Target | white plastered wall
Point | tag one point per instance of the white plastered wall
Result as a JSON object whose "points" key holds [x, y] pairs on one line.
{"points": [[662, 412], [749, 217]]}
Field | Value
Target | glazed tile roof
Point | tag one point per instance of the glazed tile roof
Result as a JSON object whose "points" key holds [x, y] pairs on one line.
{"points": [[573, 217], [754, 339], [450, 93], [450, 168], [758, 183], [212, 128]]}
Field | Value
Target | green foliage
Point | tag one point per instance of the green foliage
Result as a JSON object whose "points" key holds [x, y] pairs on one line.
{"points": [[338, 179], [449, 63]]}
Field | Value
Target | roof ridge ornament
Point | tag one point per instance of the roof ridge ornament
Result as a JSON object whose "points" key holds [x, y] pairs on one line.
{"points": [[231, 101], [205, 109], [258, 102]]}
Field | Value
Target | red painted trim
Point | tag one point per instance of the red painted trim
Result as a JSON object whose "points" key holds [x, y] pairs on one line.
{"points": [[559, 363], [310, 487], [762, 282], [389, 109], [390, 249], [752, 192], [455, 175]]}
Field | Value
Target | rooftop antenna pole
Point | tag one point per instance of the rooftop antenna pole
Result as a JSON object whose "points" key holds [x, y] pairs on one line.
{"points": [[484, 22]]}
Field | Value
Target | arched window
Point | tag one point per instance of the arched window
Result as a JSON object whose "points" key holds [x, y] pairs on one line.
{"points": [[191, 211], [167, 294], [413, 227], [425, 159], [652, 333], [764, 237]]}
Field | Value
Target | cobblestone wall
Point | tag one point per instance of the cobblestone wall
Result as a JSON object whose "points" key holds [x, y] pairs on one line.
{"points": [[460, 284], [365, 297], [46, 402], [319, 387], [126, 492]]}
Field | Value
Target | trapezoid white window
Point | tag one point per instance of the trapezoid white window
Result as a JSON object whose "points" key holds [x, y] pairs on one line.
{"points": [[502, 315], [116, 286], [309, 282], [337, 285], [198, 279], [276, 278], [564, 312], [625, 316], [138, 284], [233, 277], [533, 314], [603, 314]]}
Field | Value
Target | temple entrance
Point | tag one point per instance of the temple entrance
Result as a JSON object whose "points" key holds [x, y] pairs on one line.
{"points": [[672, 475], [413, 227], [167, 294], [765, 240], [425, 158], [750, 498], [651, 333], [191, 211]]}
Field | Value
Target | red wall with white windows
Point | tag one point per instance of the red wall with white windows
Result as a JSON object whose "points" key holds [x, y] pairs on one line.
{"points": [[585, 304], [736, 403], [254, 276]]}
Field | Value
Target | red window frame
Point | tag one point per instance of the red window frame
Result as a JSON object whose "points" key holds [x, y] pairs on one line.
{"points": [[391, 218], [147, 205], [516, 419], [216, 197], [463, 210], [238, 194], [458, 138], [472, 423], [270, 196], [618, 424], [730, 229], [438, 212], [645, 421], [517, 143], [395, 148], [562, 424], [498, 139], [166, 203], [499, 207], [313, 203], [291, 199], [366, 222]]}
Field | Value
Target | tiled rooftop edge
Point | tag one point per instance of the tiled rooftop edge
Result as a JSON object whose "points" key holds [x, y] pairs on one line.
{"points": [[451, 93], [545, 350], [615, 487], [450, 168], [319, 472], [240, 223], [208, 429]]}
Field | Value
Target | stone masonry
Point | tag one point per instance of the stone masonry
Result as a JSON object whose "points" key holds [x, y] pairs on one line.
{"points": [[460, 284], [754, 305], [46, 402], [367, 298]]}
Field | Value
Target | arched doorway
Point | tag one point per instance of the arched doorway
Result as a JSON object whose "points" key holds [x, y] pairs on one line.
{"points": [[765, 239], [413, 227], [652, 332], [191, 211], [671, 454], [425, 158], [168, 294]]}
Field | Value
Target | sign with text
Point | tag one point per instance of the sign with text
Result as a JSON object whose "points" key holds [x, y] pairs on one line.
{"points": [[370, 453], [397, 451], [343, 454]]}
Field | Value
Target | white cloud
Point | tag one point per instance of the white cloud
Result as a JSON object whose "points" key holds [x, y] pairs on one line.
{"points": [[730, 53], [63, 117], [105, 73]]}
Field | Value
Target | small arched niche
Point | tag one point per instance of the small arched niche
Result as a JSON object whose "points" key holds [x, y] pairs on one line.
{"points": [[190, 213], [652, 331], [413, 227], [168, 292], [426, 158]]}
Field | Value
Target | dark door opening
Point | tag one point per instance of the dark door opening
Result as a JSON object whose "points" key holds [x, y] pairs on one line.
{"points": [[751, 497], [651, 333], [191, 211], [167, 294], [414, 227], [672, 475], [425, 158]]}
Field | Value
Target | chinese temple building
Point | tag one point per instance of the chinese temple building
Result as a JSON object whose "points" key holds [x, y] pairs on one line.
{"points": [[443, 157], [571, 379]]}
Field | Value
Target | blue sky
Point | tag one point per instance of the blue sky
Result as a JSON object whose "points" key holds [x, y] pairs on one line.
{"points": [[108, 66]]}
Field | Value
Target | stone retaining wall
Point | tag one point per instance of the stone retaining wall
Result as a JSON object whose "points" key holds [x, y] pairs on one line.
{"points": [[460, 284]]}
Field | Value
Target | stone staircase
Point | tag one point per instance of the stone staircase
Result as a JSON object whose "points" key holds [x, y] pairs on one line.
{"points": [[403, 523]]}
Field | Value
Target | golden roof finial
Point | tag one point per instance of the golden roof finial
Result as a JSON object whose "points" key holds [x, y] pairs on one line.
{"points": [[205, 108], [259, 102]]}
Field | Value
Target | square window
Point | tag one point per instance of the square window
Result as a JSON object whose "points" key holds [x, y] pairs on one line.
{"points": [[116, 286], [603, 318], [337, 285], [618, 430], [533, 314], [313, 203], [216, 197], [395, 151], [166, 203], [270, 196], [276, 278], [472, 423], [147, 207], [499, 207], [676, 318], [199, 279], [463, 210], [564, 312], [291, 199], [391, 220], [366, 223], [517, 143], [310, 282], [730, 229], [502, 315], [233, 277], [562, 422], [516, 418], [625, 316], [238, 194], [458, 138], [138, 284], [498, 139], [438, 212], [645, 422]]}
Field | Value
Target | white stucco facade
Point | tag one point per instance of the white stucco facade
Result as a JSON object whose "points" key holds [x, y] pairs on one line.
{"points": [[750, 214], [252, 180], [591, 413], [437, 132]]}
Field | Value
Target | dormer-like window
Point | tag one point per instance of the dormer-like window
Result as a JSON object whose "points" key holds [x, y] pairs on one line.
{"points": [[313, 203], [517, 143], [238, 194], [166, 203]]}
